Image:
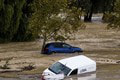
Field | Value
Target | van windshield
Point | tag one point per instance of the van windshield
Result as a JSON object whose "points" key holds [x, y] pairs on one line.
{"points": [[59, 68]]}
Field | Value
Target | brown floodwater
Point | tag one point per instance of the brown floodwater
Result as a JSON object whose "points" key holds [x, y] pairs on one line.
{"points": [[99, 44], [104, 72]]}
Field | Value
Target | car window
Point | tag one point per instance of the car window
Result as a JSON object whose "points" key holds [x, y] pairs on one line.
{"points": [[74, 72], [58, 45], [66, 46]]}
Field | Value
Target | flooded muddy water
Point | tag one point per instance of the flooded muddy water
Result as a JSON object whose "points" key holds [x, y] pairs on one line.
{"points": [[98, 43], [104, 72]]}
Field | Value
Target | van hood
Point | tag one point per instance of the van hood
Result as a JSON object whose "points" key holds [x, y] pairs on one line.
{"points": [[49, 75], [48, 72]]}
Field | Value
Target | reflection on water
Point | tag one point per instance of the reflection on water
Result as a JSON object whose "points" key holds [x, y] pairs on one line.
{"points": [[91, 76]]}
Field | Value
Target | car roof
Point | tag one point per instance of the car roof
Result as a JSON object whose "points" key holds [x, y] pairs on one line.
{"points": [[56, 43], [77, 62]]}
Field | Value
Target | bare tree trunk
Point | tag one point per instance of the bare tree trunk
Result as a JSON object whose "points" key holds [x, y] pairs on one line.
{"points": [[43, 45], [91, 13], [86, 17]]}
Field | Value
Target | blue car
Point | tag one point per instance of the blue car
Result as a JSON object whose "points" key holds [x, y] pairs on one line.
{"points": [[58, 47]]}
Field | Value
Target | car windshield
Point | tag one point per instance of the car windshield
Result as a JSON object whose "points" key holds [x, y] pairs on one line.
{"points": [[59, 68]]}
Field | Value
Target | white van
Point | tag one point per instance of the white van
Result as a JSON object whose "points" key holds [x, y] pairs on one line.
{"points": [[69, 66]]}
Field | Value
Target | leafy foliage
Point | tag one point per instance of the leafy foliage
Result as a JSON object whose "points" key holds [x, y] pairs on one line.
{"points": [[23, 33], [114, 21], [93, 6], [54, 21], [14, 19]]}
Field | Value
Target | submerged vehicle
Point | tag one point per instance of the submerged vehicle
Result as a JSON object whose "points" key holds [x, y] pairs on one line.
{"points": [[69, 66], [59, 47]]}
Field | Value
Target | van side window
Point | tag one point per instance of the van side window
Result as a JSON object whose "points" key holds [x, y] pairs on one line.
{"points": [[74, 72]]}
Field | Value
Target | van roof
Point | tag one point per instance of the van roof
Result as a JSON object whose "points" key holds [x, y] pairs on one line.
{"points": [[77, 61]]}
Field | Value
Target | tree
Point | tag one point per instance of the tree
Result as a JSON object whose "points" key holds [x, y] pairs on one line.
{"points": [[22, 33], [14, 20], [107, 9], [87, 6], [93, 6], [114, 18], [54, 21]]}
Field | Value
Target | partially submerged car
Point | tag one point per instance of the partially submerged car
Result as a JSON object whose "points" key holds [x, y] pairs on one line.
{"points": [[69, 66], [59, 47]]}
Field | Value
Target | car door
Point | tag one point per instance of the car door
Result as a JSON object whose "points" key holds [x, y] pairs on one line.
{"points": [[58, 48], [67, 48]]}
